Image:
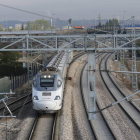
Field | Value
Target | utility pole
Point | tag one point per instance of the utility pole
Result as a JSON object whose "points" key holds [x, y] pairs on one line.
{"points": [[99, 20], [24, 55], [122, 60], [51, 24], [94, 23], [134, 69], [91, 85], [69, 24], [122, 52], [115, 41]]}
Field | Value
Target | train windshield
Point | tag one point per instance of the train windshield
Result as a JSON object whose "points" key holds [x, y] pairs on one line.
{"points": [[46, 82]]}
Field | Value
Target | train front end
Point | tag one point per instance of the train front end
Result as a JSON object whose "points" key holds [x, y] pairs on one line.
{"points": [[47, 92]]}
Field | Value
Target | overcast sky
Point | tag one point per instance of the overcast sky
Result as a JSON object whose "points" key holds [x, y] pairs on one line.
{"points": [[75, 9]]}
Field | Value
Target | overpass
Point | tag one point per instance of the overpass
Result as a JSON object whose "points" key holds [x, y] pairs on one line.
{"points": [[32, 32]]}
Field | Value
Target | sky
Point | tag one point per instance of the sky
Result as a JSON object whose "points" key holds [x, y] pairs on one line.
{"points": [[75, 9]]}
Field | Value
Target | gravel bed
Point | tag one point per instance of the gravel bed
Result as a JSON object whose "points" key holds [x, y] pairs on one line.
{"points": [[98, 124], [19, 127], [43, 130], [72, 122], [23, 92], [120, 127]]}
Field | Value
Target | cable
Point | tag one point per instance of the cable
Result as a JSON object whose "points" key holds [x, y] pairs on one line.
{"points": [[101, 109], [25, 11], [31, 12]]}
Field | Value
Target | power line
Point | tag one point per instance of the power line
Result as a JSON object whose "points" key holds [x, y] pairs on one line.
{"points": [[32, 13], [26, 11]]}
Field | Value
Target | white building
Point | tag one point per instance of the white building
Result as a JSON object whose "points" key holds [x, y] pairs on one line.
{"points": [[18, 26], [66, 28], [10, 27]]}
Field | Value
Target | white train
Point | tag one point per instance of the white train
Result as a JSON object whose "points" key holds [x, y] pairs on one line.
{"points": [[48, 85]]}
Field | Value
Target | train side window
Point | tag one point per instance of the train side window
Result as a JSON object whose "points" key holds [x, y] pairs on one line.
{"points": [[59, 83], [34, 83]]}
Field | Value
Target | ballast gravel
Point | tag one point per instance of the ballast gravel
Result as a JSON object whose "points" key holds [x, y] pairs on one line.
{"points": [[71, 124]]}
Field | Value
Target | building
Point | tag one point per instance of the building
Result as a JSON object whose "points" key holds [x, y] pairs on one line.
{"points": [[66, 28], [18, 26]]}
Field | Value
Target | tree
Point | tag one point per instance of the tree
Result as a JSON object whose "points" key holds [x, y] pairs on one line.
{"points": [[138, 51], [22, 27], [39, 24], [112, 22], [8, 57], [1, 29]]}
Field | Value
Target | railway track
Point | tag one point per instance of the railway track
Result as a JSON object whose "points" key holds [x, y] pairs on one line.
{"points": [[43, 127], [18, 103], [123, 94], [51, 124], [51, 120], [97, 128], [127, 109]]}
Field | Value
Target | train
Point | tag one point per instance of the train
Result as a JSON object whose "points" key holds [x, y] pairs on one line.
{"points": [[48, 84], [106, 30], [78, 27]]}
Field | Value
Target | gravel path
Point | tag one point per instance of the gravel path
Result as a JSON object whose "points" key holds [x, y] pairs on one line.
{"points": [[72, 122]]}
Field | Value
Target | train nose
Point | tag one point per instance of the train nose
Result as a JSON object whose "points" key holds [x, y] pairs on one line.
{"points": [[46, 105]]}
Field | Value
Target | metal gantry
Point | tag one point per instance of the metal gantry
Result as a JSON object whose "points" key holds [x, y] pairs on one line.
{"points": [[91, 43], [134, 68], [91, 84], [121, 60]]}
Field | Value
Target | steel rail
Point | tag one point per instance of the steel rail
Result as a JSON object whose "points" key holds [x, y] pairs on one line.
{"points": [[117, 86], [54, 127], [86, 108], [123, 109], [33, 128], [21, 98]]}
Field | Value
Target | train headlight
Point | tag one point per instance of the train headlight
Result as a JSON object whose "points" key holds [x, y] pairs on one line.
{"points": [[35, 98], [57, 98]]}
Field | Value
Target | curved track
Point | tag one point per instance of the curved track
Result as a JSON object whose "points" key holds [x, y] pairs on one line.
{"points": [[43, 127], [127, 109], [99, 125], [18, 103], [47, 122]]}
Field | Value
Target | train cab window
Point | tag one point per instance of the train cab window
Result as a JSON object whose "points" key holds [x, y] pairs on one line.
{"points": [[34, 83], [47, 81], [59, 83]]}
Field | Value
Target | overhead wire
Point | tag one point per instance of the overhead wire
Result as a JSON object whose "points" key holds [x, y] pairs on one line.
{"points": [[29, 12]]}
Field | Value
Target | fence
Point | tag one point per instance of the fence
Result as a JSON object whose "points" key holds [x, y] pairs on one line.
{"points": [[13, 81], [18, 81]]}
